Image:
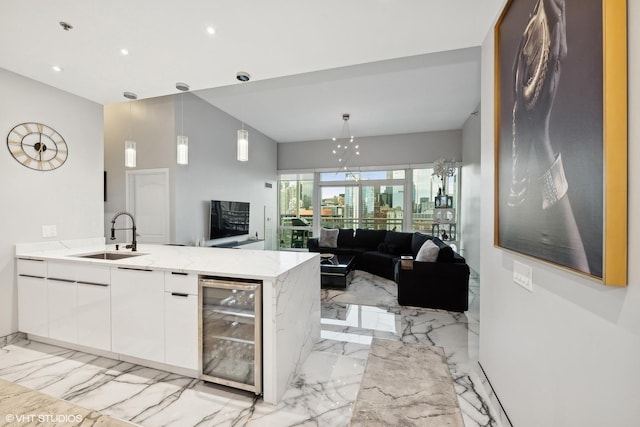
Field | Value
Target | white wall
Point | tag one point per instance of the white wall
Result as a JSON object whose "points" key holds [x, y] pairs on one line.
{"points": [[567, 354], [150, 123], [413, 148], [213, 171], [69, 197], [471, 189]]}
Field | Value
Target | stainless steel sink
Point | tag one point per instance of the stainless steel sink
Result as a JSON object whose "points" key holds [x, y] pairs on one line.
{"points": [[109, 255]]}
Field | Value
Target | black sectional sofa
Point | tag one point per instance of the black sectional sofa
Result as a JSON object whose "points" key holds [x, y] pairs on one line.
{"points": [[443, 284]]}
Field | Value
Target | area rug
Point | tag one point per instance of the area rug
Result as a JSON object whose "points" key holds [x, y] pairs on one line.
{"points": [[20, 406]]}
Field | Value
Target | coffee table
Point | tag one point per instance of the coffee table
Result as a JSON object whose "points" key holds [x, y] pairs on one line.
{"points": [[337, 271]]}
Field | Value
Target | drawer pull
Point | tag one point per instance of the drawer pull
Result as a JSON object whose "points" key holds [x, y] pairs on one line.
{"points": [[94, 284], [55, 279], [32, 276], [134, 269], [178, 294], [177, 273]]}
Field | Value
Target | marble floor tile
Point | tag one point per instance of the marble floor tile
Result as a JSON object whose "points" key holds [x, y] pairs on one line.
{"points": [[322, 394], [365, 289]]}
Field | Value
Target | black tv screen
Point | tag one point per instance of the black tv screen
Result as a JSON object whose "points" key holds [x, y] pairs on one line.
{"points": [[228, 219]]}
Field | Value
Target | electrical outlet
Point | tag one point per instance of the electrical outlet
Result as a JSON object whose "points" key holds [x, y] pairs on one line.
{"points": [[522, 275], [49, 231]]}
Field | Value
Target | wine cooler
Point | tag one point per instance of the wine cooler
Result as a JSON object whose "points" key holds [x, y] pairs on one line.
{"points": [[231, 332]]}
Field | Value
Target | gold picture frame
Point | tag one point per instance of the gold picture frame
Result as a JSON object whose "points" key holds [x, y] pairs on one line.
{"points": [[561, 134]]}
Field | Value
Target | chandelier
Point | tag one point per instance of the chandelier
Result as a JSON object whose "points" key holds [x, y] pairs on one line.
{"points": [[346, 149]]}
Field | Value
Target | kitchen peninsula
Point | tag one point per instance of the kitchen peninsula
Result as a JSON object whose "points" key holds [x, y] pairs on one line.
{"points": [[67, 299]]}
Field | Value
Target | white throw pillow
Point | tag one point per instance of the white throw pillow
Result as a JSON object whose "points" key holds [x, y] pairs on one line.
{"points": [[328, 238], [428, 252]]}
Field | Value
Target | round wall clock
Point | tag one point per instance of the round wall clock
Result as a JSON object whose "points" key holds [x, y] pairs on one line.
{"points": [[37, 146]]}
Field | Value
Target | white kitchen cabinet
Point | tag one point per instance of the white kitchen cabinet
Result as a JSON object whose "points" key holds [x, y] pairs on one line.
{"points": [[94, 315], [62, 270], [32, 305], [181, 319], [62, 298], [137, 313], [32, 267], [181, 329], [186, 283]]}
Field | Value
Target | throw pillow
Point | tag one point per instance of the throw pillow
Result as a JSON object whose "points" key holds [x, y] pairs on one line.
{"points": [[428, 252], [328, 238], [446, 253], [417, 240]]}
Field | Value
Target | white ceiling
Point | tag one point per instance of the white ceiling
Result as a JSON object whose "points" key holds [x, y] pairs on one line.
{"points": [[383, 61]]}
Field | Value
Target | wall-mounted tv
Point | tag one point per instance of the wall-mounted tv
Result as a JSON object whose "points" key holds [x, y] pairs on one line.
{"points": [[228, 219]]}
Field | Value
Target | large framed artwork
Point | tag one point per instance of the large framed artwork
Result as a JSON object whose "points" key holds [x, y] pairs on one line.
{"points": [[561, 134]]}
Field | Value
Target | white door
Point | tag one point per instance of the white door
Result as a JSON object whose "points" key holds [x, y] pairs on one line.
{"points": [[148, 202]]}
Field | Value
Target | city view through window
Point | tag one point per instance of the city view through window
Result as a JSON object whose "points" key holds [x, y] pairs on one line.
{"points": [[374, 200]]}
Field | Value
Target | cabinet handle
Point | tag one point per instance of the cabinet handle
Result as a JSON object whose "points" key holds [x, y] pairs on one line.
{"points": [[55, 279], [177, 294], [29, 275], [134, 269], [93, 284], [31, 259], [177, 273]]}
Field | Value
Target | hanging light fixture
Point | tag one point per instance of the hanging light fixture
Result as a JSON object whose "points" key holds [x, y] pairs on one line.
{"points": [[243, 135], [243, 144], [182, 141], [346, 147], [130, 144]]}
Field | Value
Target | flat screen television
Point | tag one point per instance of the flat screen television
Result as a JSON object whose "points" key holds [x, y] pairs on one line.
{"points": [[228, 219]]}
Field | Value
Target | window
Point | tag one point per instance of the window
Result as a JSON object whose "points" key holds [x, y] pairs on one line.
{"points": [[362, 199], [296, 209], [393, 199]]}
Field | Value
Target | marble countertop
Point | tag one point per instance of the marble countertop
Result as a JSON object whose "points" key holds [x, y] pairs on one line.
{"points": [[244, 263]]}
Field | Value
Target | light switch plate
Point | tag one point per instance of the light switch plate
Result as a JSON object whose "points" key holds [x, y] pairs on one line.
{"points": [[523, 275], [49, 231]]}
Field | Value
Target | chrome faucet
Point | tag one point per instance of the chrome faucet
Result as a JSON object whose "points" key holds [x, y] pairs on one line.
{"points": [[134, 245]]}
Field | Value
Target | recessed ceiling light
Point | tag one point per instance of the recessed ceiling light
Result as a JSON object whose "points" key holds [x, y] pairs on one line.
{"points": [[56, 68], [211, 30], [124, 51]]}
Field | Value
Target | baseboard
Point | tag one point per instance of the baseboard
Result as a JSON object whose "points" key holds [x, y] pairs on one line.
{"points": [[117, 356], [495, 401], [11, 338]]}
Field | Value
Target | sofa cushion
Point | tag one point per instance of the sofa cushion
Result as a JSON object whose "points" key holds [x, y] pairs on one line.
{"points": [[446, 252], [345, 238], [369, 239], [428, 252], [328, 237], [417, 240], [397, 243]]}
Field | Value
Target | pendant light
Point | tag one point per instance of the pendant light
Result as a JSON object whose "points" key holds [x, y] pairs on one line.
{"points": [[243, 144], [346, 147], [182, 141], [130, 144], [243, 135]]}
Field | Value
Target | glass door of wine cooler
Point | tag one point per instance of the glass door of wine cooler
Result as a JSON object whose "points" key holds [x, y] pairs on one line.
{"points": [[231, 333]]}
